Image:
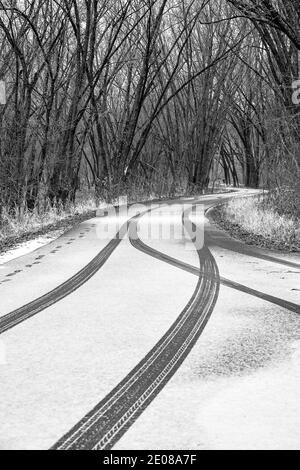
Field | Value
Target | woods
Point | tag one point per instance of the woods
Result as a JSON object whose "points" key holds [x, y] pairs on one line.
{"points": [[150, 227], [146, 97]]}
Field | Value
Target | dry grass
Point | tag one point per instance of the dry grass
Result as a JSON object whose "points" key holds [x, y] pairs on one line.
{"points": [[19, 222], [22, 224], [257, 218]]}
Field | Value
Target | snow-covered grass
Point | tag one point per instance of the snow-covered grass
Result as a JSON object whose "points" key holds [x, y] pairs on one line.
{"points": [[257, 217], [20, 221], [22, 224]]}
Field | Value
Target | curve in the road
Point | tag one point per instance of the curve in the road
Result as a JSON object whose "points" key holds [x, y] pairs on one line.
{"points": [[19, 315], [110, 419]]}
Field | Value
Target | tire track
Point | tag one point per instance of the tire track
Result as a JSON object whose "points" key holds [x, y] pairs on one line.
{"points": [[141, 246], [112, 417], [31, 309], [216, 238], [237, 247]]}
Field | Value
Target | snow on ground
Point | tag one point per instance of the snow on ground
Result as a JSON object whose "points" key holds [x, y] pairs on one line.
{"points": [[63, 361], [29, 246], [239, 387]]}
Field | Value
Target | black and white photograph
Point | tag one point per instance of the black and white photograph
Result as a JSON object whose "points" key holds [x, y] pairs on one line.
{"points": [[149, 228]]}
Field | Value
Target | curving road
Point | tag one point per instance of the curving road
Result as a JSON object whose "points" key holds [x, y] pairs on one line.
{"points": [[109, 420], [102, 307]]}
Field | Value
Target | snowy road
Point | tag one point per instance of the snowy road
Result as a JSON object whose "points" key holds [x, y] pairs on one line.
{"points": [[78, 315]]}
